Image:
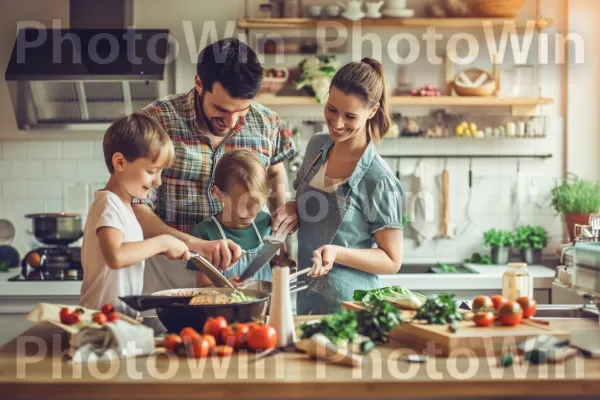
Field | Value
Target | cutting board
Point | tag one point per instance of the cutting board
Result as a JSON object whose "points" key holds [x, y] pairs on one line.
{"points": [[480, 340]]}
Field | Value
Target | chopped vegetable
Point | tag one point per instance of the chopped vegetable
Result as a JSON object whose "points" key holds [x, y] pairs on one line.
{"points": [[380, 318], [447, 268], [239, 297], [396, 295], [339, 327], [506, 360], [438, 310]]}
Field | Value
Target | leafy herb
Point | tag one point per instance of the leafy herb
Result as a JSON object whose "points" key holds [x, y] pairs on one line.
{"points": [[498, 238], [438, 310], [576, 196], [506, 360], [477, 258], [447, 268], [380, 318], [394, 294], [338, 327], [367, 346], [534, 237], [4, 266]]}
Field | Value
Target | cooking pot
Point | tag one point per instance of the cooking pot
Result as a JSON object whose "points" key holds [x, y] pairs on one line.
{"points": [[56, 228], [175, 313]]}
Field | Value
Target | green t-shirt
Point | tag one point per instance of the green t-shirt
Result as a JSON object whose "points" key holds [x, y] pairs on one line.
{"points": [[246, 238]]}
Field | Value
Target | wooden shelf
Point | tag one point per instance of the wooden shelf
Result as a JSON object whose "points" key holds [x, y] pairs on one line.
{"points": [[449, 101], [440, 23]]}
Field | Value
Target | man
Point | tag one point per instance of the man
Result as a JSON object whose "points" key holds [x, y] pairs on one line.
{"points": [[216, 116]]}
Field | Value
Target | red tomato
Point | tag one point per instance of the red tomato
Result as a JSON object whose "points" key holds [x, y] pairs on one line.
{"points": [[99, 318], [196, 346], [213, 326], [170, 342], [112, 316], [75, 319], [235, 335], [107, 309], [498, 301], [482, 303], [65, 315], [528, 305], [223, 351], [510, 314], [261, 337], [188, 332], [212, 342], [483, 318]]}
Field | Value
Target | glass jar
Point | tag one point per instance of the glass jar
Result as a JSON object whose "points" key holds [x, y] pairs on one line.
{"points": [[516, 282]]}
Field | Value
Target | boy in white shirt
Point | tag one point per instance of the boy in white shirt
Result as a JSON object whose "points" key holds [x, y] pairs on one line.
{"points": [[136, 149]]}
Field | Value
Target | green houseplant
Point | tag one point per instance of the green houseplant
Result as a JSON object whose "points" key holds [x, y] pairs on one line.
{"points": [[499, 242], [576, 199], [316, 75], [531, 240]]}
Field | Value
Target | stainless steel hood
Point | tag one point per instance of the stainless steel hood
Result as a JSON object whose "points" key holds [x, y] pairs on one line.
{"points": [[86, 77]]}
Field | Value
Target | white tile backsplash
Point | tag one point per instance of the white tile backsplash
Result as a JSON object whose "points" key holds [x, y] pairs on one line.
{"points": [[98, 151], [14, 150], [7, 170], [14, 189], [45, 150], [92, 171], [45, 189], [29, 169], [78, 150], [63, 170]]}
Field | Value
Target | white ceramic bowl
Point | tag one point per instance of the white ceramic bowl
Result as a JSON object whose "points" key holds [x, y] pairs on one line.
{"points": [[333, 10], [396, 4], [314, 11]]}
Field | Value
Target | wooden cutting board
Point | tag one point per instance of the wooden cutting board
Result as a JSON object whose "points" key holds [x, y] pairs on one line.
{"points": [[481, 341]]}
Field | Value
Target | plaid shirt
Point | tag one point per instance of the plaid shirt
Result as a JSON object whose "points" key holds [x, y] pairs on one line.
{"points": [[186, 197]]}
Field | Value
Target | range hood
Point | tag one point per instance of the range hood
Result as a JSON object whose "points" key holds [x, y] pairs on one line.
{"points": [[85, 77]]}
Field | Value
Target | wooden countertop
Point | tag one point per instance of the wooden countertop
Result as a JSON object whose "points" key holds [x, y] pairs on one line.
{"points": [[287, 375]]}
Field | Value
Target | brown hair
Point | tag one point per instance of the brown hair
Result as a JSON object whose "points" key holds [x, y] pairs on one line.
{"points": [[137, 136], [365, 79], [243, 167]]}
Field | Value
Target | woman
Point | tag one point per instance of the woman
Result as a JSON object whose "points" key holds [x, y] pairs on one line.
{"points": [[348, 199]]}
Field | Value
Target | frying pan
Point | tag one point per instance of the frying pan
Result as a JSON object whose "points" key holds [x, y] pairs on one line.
{"points": [[175, 313]]}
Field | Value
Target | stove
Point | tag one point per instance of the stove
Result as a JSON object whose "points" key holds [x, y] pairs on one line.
{"points": [[52, 263]]}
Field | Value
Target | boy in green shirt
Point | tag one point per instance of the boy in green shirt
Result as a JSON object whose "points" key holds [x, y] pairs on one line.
{"points": [[241, 186]]}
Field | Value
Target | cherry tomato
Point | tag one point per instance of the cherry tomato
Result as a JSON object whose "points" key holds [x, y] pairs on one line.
{"points": [[170, 342], [528, 305], [212, 342], [99, 318], [483, 318], [223, 351], [498, 301], [482, 303], [261, 337], [235, 335], [107, 309], [510, 314], [65, 315], [213, 326], [196, 346], [75, 319], [112, 316], [185, 332]]}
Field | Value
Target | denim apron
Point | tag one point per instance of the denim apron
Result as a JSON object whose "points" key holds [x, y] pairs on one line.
{"points": [[321, 214], [247, 257]]}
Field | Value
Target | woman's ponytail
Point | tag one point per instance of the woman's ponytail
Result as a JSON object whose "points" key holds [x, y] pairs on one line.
{"points": [[380, 124]]}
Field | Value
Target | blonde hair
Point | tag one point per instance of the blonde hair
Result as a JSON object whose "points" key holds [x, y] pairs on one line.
{"points": [[137, 136], [243, 167], [365, 79]]}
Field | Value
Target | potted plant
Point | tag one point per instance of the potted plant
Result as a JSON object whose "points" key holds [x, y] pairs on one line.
{"points": [[576, 199], [316, 75], [531, 240], [500, 242]]}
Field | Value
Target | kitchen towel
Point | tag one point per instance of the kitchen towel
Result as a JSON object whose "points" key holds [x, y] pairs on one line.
{"points": [[422, 205]]}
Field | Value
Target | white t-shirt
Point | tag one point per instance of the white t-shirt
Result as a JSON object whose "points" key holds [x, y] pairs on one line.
{"points": [[322, 182], [102, 285]]}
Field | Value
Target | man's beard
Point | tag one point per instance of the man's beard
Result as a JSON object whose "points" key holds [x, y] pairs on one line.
{"points": [[208, 122]]}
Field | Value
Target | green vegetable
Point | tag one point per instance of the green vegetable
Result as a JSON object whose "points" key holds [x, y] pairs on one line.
{"points": [[394, 294], [339, 327], [507, 360], [447, 268], [438, 310], [498, 238], [4, 266], [367, 346], [477, 258], [380, 318], [576, 196], [528, 236], [239, 297]]}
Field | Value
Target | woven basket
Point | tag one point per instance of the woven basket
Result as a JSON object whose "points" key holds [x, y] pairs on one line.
{"points": [[272, 86], [488, 88], [499, 8]]}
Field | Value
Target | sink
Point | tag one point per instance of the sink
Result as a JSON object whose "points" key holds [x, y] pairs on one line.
{"points": [[433, 268], [554, 311]]}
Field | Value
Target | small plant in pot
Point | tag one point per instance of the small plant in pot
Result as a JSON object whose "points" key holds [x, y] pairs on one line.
{"points": [[500, 242], [531, 240], [576, 199]]}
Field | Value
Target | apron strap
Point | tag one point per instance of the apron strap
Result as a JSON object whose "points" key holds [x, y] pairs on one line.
{"points": [[216, 221], [260, 239]]}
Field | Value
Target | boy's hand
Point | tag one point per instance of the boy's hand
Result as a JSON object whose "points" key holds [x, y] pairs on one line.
{"points": [[176, 249], [220, 253], [235, 281]]}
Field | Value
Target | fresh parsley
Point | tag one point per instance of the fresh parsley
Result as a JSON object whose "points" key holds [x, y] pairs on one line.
{"points": [[439, 310]]}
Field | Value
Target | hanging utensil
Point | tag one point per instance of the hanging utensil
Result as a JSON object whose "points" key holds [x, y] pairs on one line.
{"points": [[467, 220], [445, 203]]}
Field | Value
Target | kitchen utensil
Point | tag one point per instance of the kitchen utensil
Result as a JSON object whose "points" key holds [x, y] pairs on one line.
{"points": [[475, 82], [210, 270], [314, 11], [281, 317], [272, 244], [467, 221], [56, 228], [175, 313], [321, 348], [445, 204]]}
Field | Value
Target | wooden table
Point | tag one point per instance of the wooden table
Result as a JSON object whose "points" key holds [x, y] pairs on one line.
{"points": [[286, 375]]}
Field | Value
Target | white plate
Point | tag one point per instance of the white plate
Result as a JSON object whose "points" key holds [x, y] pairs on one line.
{"points": [[398, 13]]}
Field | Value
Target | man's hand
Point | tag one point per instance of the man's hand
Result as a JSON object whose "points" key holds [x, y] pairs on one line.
{"points": [[176, 249], [285, 219], [220, 253]]}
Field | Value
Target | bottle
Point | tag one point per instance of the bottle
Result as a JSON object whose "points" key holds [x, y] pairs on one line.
{"points": [[516, 282]]}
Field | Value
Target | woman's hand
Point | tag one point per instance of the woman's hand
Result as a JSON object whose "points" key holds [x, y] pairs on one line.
{"points": [[323, 259]]}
